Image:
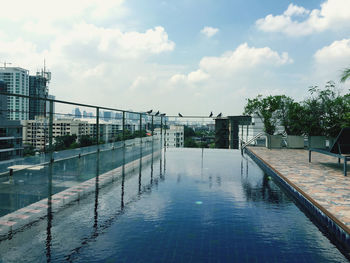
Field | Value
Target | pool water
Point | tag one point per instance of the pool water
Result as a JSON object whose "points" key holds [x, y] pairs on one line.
{"points": [[185, 205], [29, 186]]}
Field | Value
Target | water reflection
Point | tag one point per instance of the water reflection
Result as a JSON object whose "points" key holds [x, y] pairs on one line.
{"points": [[96, 191], [49, 214], [106, 223], [152, 162], [140, 170], [261, 190], [123, 181]]}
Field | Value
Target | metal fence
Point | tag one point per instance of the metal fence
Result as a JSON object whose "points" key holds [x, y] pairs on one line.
{"points": [[98, 128]]}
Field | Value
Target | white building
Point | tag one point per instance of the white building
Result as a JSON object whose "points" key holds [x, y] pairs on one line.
{"points": [[36, 132], [17, 81], [256, 128], [174, 136]]}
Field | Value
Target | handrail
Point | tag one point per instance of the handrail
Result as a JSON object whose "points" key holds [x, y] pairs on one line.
{"points": [[252, 139]]}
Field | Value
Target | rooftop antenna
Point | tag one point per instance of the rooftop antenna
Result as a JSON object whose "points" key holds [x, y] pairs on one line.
{"points": [[6, 63]]}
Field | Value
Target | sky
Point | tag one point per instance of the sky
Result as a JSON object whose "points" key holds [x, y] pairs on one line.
{"points": [[185, 56]]}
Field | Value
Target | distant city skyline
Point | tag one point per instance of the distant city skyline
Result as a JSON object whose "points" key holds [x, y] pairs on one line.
{"points": [[168, 56]]}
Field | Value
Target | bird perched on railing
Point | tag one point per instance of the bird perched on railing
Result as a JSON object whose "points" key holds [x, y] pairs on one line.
{"points": [[156, 113], [149, 112], [180, 115], [219, 115], [211, 114], [163, 114]]}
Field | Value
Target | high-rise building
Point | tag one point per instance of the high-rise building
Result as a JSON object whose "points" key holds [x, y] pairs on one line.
{"points": [[77, 113], [50, 97], [10, 131], [17, 81], [3, 101], [107, 115], [38, 88]]}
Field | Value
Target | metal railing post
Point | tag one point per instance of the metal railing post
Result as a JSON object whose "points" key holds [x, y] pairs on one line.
{"points": [[161, 130], [165, 134], [123, 126], [152, 126], [246, 136], [98, 128], [140, 129], [50, 131]]}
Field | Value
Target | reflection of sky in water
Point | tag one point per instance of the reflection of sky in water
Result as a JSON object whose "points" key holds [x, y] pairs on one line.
{"points": [[219, 208]]}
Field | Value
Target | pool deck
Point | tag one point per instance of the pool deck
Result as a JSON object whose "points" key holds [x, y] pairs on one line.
{"points": [[322, 181]]}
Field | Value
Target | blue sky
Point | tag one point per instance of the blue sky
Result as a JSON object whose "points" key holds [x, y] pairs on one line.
{"points": [[189, 56]]}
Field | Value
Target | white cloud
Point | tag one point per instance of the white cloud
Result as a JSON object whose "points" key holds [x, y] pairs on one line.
{"points": [[243, 57], [197, 76], [61, 10], [338, 50], [333, 15], [295, 10], [89, 42], [226, 80], [209, 31], [331, 60]]}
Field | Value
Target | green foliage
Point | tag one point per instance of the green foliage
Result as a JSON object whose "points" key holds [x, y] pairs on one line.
{"points": [[188, 132], [294, 122], [345, 75], [269, 109], [28, 150], [325, 112], [86, 140], [138, 133], [190, 143], [64, 142]]}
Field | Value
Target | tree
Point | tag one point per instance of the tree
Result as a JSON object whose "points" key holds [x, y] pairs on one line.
{"points": [[86, 140], [269, 109], [138, 133], [326, 111], [64, 142], [294, 123], [28, 150], [190, 143], [188, 132], [345, 75]]}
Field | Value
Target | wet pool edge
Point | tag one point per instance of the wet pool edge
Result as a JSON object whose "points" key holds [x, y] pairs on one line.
{"points": [[339, 230]]}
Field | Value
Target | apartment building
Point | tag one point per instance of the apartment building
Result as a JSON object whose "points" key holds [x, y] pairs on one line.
{"points": [[17, 81], [174, 136], [10, 131], [36, 132]]}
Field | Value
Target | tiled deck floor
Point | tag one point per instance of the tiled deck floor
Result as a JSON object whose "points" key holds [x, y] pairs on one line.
{"points": [[322, 179]]}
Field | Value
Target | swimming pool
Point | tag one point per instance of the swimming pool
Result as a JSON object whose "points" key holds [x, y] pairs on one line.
{"points": [[186, 205]]}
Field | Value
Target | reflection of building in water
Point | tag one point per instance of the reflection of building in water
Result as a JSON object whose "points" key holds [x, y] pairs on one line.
{"points": [[174, 136]]}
